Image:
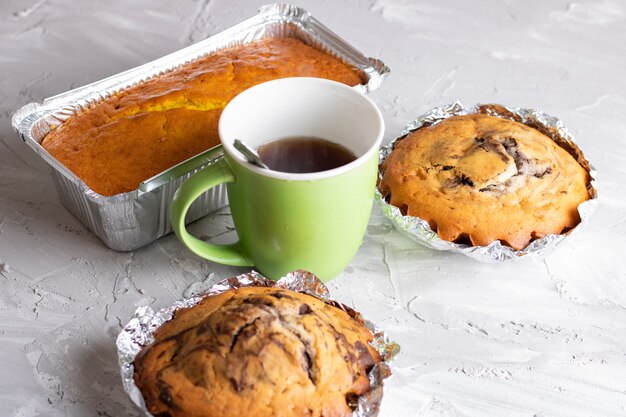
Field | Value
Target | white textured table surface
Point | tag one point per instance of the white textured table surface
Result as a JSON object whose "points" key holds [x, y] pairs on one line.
{"points": [[528, 339]]}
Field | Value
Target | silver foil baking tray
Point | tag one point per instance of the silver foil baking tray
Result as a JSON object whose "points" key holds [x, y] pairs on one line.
{"points": [[130, 220]]}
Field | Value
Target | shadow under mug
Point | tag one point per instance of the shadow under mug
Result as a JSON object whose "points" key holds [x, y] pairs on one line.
{"points": [[313, 221]]}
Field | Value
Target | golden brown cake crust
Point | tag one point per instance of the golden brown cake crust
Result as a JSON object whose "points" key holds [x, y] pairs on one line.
{"points": [[479, 178], [131, 136], [256, 351]]}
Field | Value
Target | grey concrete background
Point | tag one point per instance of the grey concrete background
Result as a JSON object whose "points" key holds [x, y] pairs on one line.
{"points": [[533, 338]]}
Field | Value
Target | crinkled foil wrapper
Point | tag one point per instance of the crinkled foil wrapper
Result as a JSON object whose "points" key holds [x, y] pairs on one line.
{"points": [[139, 332], [130, 220], [418, 229]]}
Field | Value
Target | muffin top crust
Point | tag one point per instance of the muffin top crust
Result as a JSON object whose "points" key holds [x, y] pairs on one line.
{"points": [[479, 178], [257, 351]]}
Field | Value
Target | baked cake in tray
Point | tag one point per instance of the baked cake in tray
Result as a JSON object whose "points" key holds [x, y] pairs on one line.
{"points": [[479, 178], [131, 136]]}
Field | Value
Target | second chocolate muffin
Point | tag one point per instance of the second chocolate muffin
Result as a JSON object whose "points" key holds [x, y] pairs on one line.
{"points": [[257, 351]]}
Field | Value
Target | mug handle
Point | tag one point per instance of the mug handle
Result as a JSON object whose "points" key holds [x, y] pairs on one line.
{"points": [[215, 174]]}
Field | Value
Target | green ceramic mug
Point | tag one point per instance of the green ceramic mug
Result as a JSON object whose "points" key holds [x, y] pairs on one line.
{"points": [[286, 221]]}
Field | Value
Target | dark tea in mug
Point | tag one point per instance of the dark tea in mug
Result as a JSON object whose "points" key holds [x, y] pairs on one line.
{"points": [[301, 155]]}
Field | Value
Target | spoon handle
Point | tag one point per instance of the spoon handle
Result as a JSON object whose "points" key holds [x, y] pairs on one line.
{"points": [[250, 154]]}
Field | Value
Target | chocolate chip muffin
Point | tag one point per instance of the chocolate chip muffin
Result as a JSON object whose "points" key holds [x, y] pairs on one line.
{"points": [[256, 351], [479, 178]]}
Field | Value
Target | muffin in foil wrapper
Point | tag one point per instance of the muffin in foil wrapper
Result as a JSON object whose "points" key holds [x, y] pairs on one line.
{"points": [[419, 230], [139, 332]]}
